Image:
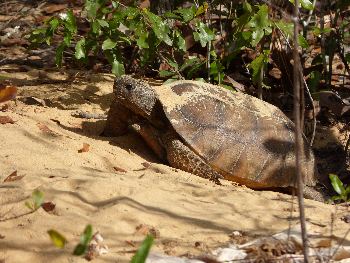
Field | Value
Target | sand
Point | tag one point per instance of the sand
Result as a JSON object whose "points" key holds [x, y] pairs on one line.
{"points": [[190, 215]]}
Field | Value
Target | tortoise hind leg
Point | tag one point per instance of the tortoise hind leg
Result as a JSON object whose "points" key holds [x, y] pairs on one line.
{"points": [[182, 157]]}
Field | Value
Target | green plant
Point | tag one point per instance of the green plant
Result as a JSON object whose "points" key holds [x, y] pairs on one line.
{"points": [[81, 248], [342, 190], [142, 252], [113, 26], [85, 239], [36, 200]]}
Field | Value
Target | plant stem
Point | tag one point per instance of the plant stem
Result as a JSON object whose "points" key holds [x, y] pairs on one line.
{"points": [[298, 135]]}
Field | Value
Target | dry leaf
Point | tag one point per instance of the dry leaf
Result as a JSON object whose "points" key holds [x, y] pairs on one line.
{"points": [[13, 177], [276, 73], [46, 129], [6, 119], [147, 230], [119, 169], [48, 206], [86, 148], [50, 9]]}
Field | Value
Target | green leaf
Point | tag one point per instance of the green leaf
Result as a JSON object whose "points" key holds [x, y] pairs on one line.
{"points": [[306, 4], [189, 63], [91, 7], [103, 23], [173, 64], [57, 239], [142, 252], [54, 23], [337, 184], [38, 198], [302, 41], [118, 68], [286, 27], [85, 239], [159, 27], [347, 57], [314, 80], [80, 49], [59, 54], [29, 205], [201, 9], [67, 38], [166, 73], [108, 44], [180, 41], [169, 81], [257, 35], [247, 7], [142, 41], [70, 22], [203, 34], [186, 13], [96, 27], [261, 18], [258, 64]]}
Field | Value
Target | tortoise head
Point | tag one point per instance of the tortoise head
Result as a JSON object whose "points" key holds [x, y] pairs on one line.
{"points": [[136, 95]]}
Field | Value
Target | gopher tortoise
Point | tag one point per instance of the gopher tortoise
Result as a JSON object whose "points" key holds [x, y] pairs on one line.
{"points": [[212, 132]]}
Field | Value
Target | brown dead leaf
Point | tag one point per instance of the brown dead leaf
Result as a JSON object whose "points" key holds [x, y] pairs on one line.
{"points": [[13, 177], [276, 73], [147, 230], [50, 9], [46, 129], [7, 93], [119, 169], [86, 148], [6, 119], [48, 206]]}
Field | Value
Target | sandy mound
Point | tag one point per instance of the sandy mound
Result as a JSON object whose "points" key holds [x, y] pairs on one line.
{"points": [[191, 214]]}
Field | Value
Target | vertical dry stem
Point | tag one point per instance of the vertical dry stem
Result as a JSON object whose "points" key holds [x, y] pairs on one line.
{"points": [[298, 134]]}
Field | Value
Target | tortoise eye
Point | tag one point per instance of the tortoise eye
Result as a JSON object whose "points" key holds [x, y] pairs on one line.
{"points": [[129, 87]]}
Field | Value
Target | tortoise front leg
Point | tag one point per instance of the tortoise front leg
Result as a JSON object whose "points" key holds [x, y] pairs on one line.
{"points": [[182, 157], [117, 119], [151, 137]]}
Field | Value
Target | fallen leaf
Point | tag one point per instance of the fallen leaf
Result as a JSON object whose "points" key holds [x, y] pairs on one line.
{"points": [[13, 177], [6, 119], [276, 73], [48, 206], [46, 129], [86, 148], [147, 230], [119, 169], [50, 9]]}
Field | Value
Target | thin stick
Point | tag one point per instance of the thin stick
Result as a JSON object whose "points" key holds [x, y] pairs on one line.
{"points": [[298, 136], [307, 91]]}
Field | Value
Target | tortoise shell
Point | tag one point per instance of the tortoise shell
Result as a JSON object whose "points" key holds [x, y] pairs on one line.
{"points": [[245, 139]]}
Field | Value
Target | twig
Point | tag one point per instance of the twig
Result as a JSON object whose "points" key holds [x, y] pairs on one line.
{"points": [[298, 135]]}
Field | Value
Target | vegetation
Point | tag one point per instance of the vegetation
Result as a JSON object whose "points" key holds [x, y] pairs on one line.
{"points": [[219, 32], [342, 190]]}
